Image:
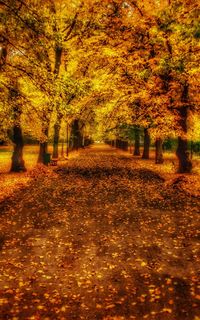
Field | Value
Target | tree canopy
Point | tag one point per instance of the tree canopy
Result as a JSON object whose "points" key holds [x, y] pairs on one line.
{"points": [[109, 63]]}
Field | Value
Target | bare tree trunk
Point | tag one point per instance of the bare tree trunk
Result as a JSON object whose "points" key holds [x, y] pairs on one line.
{"points": [[3, 52], [56, 139], [17, 164], [137, 142], [159, 151], [57, 128], [43, 149], [75, 135], [185, 164], [145, 154], [67, 150], [62, 149]]}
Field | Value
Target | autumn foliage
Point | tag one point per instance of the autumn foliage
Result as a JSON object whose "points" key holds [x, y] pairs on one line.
{"points": [[103, 232], [106, 64]]}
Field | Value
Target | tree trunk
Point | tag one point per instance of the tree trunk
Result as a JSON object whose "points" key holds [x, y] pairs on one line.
{"points": [[3, 52], [159, 151], [43, 148], [67, 138], [83, 141], [17, 164], [58, 57], [137, 142], [185, 164], [83, 136], [57, 127], [145, 154], [191, 149], [75, 135], [62, 149], [56, 140]]}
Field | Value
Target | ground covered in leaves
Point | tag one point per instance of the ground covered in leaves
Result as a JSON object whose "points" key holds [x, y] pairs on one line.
{"points": [[100, 237]]}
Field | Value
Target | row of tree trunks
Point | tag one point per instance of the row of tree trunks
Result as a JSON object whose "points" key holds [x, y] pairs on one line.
{"points": [[121, 144], [182, 153]]}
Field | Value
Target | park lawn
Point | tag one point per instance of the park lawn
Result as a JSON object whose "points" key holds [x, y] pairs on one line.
{"points": [[11, 182]]}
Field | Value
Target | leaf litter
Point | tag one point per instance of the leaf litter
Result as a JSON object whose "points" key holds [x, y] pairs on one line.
{"points": [[100, 237]]}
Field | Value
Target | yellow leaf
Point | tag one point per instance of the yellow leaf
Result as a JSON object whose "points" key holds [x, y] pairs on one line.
{"points": [[40, 307], [110, 306]]}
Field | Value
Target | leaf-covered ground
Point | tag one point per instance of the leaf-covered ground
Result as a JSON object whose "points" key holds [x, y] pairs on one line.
{"points": [[100, 237]]}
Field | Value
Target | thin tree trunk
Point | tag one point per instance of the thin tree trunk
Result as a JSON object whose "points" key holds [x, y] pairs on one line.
{"points": [[43, 149], [145, 154], [3, 52], [83, 141], [62, 149], [82, 136], [185, 164], [191, 149], [17, 164], [159, 151], [67, 150], [75, 133], [137, 142], [58, 57], [56, 137], [56, 140]]}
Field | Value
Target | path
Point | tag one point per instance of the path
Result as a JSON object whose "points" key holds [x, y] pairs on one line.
{"points": [[99, 238]]}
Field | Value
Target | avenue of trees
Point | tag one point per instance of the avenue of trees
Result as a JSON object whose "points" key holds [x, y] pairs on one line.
{"points": [[128, 68]]}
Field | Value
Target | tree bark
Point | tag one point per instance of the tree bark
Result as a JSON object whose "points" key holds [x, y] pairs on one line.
{"points": [[3, 52], [17, 164], [56, 137], [185, 164], [137, 142], [67, 138], [58, 57], [159, 151], [76, 138], [43, 149], [145, 154]]}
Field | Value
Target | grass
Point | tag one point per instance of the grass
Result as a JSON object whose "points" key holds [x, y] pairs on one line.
{"points": [[11, 182]]}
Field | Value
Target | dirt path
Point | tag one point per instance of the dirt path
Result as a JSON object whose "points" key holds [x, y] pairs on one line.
{"points": [[100, 238]]}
